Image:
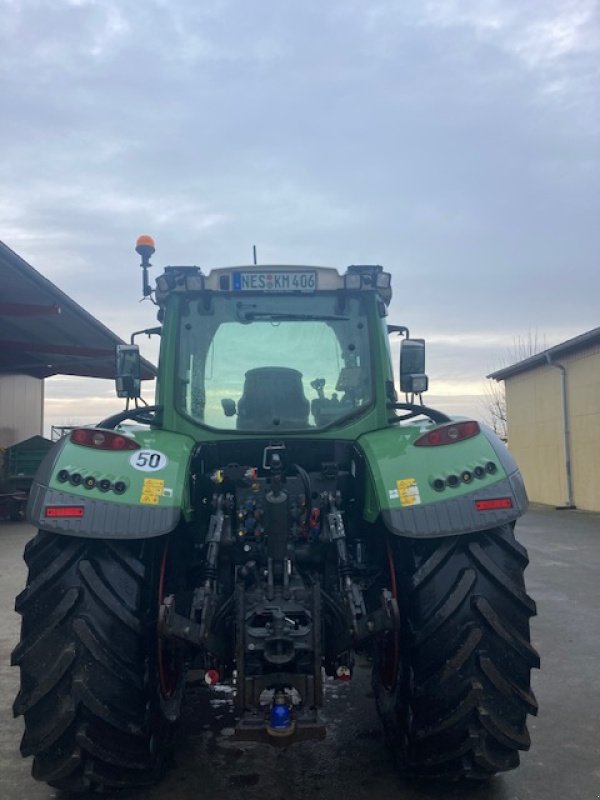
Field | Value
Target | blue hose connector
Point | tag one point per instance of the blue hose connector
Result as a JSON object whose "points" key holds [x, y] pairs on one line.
{"points": [[281, 717]]}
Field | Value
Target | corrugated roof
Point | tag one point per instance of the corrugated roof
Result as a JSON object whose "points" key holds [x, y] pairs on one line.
{"points": [[581, 342], [44, 332]]}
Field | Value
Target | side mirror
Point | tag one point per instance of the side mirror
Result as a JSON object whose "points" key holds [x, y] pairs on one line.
{"points": [[413, 379], [229, 407], [128, 377]]}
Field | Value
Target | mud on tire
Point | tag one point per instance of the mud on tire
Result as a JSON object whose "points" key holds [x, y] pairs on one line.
{"points": [[459, 699], [88, 663]]}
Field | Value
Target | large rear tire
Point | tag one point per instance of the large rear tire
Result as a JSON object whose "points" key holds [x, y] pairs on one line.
{"points": [[454, 704], [88, 657]]}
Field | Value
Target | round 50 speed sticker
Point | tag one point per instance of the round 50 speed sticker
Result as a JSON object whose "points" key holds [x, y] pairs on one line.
{"points": [[148, 460]]}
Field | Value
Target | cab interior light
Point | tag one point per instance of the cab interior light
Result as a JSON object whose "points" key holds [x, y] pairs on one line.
{"points": [[352, 280], [194, 283], [165, 283], [384, 280]]}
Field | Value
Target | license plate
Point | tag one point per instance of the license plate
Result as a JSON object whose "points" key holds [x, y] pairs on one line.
{"points": [[273, 281]]}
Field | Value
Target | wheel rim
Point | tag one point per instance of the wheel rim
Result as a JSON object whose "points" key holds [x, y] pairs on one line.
{"points": [[168, 668], [389, 648]]}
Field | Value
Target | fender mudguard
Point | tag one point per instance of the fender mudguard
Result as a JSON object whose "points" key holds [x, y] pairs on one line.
{"points": [[409, 491], [113, 494]]}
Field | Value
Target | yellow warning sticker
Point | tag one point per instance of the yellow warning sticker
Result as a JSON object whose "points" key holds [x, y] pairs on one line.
{"points": [[153, 485], [408, 492], [149, 499], [152, 489]]}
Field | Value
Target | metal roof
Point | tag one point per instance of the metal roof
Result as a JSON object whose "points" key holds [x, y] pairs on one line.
{"points": [[43, 332], [581, 342]]}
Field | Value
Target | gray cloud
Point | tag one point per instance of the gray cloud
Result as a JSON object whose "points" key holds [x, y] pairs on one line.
{"points": [[454, 142]]}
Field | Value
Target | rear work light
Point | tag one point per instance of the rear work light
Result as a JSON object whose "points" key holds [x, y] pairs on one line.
{"points": [[63, 511], [102, 440], [492, 505], [448, 434]]}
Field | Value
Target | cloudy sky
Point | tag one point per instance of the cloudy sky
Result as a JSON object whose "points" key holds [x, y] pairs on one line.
{"points": [[456, 142]]}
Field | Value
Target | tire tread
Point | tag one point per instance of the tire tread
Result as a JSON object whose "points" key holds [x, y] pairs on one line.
{"points": [[85, 654], [464, 694]]}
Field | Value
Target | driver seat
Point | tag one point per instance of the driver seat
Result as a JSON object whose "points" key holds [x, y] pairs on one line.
{"points": [[273, 398]]}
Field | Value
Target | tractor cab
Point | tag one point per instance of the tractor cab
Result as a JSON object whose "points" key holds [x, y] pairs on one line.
{"points": [[275, 349]]}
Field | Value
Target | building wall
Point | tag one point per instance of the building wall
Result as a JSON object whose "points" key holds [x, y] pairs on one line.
{"points": [[21, 408], [535, 433], [583, 375]]}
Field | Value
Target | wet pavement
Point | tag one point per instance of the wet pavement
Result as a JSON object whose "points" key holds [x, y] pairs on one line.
{"points": [[351, 763]]}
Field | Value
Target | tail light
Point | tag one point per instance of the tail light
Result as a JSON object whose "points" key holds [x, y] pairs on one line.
{"points": [[102, 440], [448, 434]]}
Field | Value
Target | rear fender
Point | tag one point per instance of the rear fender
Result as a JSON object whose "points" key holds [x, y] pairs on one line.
{"points": [[402, 480], [155, 478]]}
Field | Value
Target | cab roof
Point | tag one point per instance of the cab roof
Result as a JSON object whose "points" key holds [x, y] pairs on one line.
{"points": [[274, 279]]}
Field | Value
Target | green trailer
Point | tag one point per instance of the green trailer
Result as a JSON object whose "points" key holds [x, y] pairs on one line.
{"points": [[287, 502], [19, 464], [22, 460]]}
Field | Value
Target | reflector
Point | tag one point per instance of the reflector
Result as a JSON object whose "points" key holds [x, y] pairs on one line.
{"points": [[63, 511], [490, 505]]}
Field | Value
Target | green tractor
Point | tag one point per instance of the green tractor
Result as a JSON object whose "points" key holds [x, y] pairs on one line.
{"points": [[276, 512]]}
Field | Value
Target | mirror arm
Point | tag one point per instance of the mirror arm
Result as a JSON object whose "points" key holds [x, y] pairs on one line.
{"points": [[401, 329], [435, 416], [148, 415], [148, 331]]}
